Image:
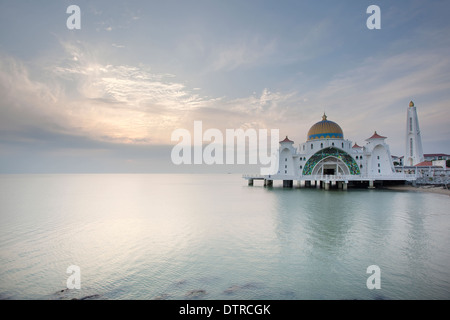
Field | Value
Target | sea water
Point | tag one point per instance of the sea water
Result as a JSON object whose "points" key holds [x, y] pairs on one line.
{"points": [[187, 236]]}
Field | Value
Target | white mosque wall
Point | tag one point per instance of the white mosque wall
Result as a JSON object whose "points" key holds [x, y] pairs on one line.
{"points": [[287, 161], [379, 161]]}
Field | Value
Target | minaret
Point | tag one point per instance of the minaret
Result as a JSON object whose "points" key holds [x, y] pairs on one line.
{"points": [[413, 143]]}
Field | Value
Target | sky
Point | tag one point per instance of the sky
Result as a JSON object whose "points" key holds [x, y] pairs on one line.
{"points": [[107, 97]]}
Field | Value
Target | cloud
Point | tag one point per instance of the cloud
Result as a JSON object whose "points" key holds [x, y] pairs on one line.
{"points": [[375, 95], [24, 102], [129, 104], [119, 103], [105, 102]]}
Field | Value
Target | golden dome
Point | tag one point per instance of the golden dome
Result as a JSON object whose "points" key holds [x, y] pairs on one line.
{"points": [[411, 104], [325, 129]]}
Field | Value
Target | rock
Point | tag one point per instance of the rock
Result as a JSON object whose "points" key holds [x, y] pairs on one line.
{"points": [[251, 285], [61, 291], [195, 293], [180, 283], [232, 289], [164, 296], [94, 296], [247, 286]]}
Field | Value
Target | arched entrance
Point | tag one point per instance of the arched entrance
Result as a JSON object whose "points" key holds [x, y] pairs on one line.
{"points": [[330, 166], [331, 159]]}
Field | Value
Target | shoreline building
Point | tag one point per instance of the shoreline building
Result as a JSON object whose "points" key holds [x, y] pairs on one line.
{"points": [[326, 152], [436, 156], [327, 160]]}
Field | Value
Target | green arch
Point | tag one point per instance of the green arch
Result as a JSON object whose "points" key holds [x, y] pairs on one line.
{"points": [[333, 152]]}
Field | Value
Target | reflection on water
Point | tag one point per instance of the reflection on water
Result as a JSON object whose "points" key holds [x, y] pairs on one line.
{"points": [[213, 237]]}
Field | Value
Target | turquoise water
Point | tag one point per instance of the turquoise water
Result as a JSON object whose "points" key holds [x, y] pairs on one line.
{"points": [[171, 236]]}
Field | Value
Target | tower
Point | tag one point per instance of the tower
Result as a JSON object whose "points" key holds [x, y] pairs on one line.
{"points": [[413, 143]]}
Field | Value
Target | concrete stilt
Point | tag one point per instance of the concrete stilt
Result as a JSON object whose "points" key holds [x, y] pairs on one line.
{"points": [[327, 185], [318, 184], [371, 184], [344, 186]]}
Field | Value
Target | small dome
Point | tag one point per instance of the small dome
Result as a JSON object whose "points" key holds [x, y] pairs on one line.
{"points": [[411, 104], [325, 129], [376, 136], [287, 140]]}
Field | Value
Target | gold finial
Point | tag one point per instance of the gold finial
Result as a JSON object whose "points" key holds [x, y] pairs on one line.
{"points": [[411, 104], [324, 117]]}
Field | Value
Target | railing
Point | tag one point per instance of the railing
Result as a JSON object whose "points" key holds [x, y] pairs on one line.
{"points": [[253, 176], [397, 176], [329, 177], [360, 177]]}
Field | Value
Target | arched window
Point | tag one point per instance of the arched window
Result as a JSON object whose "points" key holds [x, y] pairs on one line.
{"points": [[360, 166], [321, 145], [312, 146], [342, 145]]}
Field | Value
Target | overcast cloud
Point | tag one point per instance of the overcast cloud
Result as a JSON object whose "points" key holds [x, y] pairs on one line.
{"points": [[106, 98]]}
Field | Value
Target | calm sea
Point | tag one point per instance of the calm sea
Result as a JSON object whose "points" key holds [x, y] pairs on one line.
{"points": [[170, 236]]}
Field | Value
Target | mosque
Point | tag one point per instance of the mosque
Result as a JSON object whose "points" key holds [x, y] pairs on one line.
{"points": [[327, 159]]}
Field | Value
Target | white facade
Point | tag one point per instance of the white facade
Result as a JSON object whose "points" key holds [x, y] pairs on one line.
{"points": [[327, 153], [413, 143], [379, 160], [287, 158]]}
